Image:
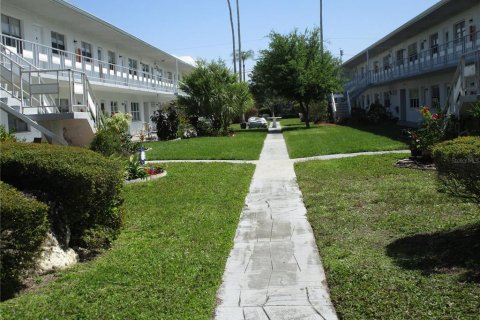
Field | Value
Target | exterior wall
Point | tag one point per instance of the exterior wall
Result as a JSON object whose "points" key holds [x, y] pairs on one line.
{"points": [[37, 28], [393, 91], [376, 68], [471, 18]]}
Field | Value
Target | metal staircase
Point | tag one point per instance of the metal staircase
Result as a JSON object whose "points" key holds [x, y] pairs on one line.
{"points": [[341, 107], [38, 97], [465, 88]]}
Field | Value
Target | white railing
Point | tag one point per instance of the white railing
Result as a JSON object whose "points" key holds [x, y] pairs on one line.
{"points": [[45, 57], [432, 59], [459, 84]]}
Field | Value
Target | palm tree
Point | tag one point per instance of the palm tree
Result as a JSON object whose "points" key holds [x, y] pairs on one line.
{"points": [[245, 55], [239, 43], [233, 37]]}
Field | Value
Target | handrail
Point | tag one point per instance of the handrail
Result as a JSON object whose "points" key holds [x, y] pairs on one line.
{"points": [[45, 57], [458, 88], [431, 59]]}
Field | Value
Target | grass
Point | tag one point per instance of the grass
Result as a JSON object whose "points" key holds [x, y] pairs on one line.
{"points": [[167, 263], [392, 246], [326, 139], [244, 145]]}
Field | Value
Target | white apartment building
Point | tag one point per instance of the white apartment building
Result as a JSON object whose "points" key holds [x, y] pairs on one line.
{"points": [[62, 68], [432, 60]]}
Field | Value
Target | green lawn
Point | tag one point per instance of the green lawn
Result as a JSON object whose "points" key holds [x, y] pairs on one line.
{"points": [[392, 246], [244, 145], [326, 139], [169, 259]]}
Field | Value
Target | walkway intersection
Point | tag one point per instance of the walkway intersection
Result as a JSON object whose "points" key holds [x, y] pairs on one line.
{"points": [[274, 269]]}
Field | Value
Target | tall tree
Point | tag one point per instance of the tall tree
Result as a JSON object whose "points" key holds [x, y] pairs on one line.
{"points": [[293, 67], [239, 43], [233, 37]]}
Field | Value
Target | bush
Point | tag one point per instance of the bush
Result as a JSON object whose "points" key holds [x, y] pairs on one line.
{"points": [[458, 165], [167, 123], [113, 138], [23, 229], [5, 135], [83, 188], [376, 114]]}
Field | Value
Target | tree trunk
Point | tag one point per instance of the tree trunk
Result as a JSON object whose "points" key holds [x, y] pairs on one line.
{"points": [[306, 110], [239, 44], [233, 38]]}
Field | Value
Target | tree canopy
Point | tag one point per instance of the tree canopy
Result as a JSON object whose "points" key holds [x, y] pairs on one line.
{"points": [[213, 91], [295, 68]]}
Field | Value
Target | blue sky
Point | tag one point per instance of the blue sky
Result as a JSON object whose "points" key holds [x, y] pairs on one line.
{"points": [[201, 28]]}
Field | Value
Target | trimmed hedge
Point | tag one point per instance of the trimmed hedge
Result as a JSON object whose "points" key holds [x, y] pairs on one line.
{"points": [[23, 229], [458, 167], [82, 188]]}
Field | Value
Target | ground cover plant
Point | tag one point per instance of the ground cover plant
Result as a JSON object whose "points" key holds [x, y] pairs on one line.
{"points": [[168, 261], [244, 145], [392, 246], [325, 139]]}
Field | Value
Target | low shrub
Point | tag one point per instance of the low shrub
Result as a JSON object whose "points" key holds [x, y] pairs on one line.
{"points": [[113, 138], [5, 135], [23, 229], [83, 188], [167, 123], [458, 166]]}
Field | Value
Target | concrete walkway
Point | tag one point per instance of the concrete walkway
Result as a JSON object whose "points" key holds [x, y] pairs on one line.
{"points": [[274, 269]]}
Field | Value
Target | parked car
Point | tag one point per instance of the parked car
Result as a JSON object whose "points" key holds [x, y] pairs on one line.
{"points": [[256, 122]]}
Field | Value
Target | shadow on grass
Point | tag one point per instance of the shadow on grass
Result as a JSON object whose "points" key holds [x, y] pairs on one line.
{"points": [[389, 130], [441, 252]]}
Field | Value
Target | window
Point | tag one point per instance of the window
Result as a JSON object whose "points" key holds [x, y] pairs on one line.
{"points": [[58, 42], [435, 96], [113, 107], [459, 31], [111, 60], [16, 125], [400, 57], [434, 43], [145, 69], [11, 28], [169, 75], [86, 51], [132, 66], [386, 62], [414, 98], [375, 67], [135, 110], [386, 99], [412, 52]]}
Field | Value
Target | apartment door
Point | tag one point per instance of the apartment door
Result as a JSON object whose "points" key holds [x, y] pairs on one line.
{"points": [[403, 105]]}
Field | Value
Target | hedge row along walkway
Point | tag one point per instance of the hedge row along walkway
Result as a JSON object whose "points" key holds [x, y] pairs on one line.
{"points": [[274, 269]]}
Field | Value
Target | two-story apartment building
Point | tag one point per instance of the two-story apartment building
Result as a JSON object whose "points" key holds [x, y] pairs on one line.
{"points": [[431, 60], [63, 67]]}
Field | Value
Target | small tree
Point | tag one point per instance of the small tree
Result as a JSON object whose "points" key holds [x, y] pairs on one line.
{"points": [[214, 93], [294, 67]]}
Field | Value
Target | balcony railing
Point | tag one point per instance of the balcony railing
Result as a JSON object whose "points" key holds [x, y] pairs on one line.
{"points": [[45, 57], [433, 59]]}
